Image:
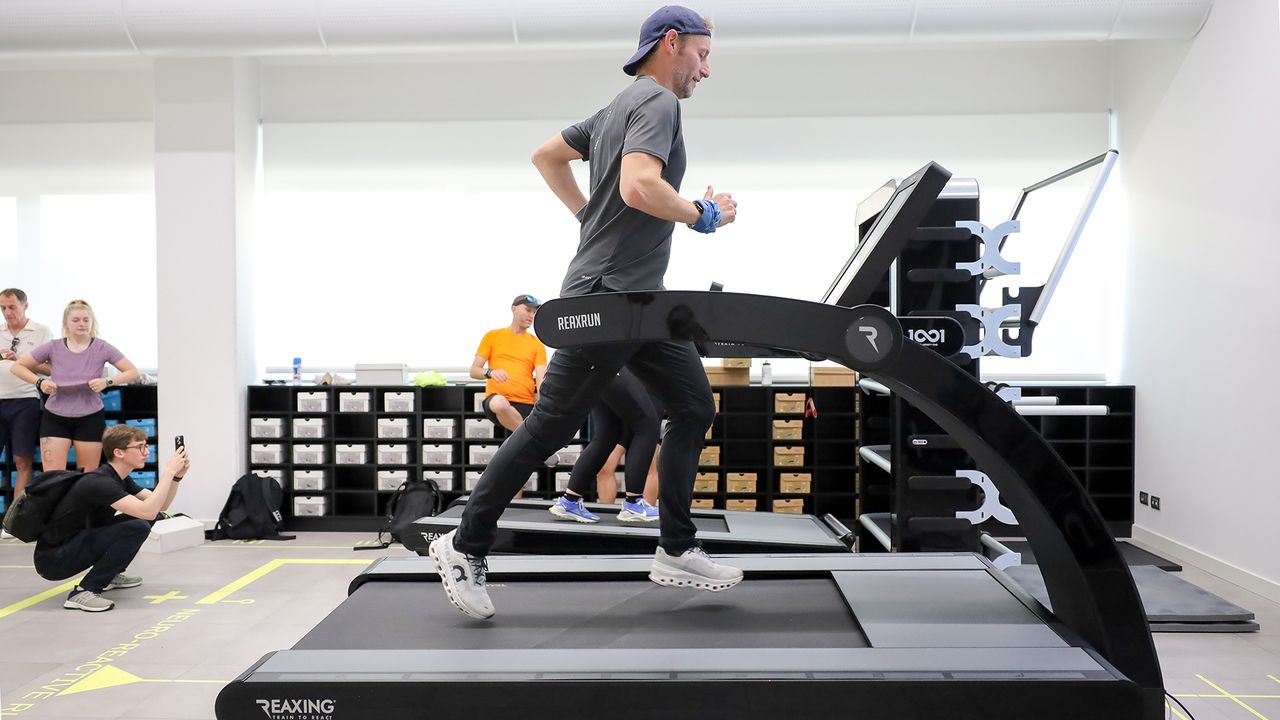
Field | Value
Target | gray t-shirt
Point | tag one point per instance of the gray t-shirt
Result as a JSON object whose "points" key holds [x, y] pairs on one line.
{"points": [[72, 371], [622, 248]]}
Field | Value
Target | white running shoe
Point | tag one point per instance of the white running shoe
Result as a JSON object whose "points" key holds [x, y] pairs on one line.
{"points": [[462, 576], [693, 569], [639, 511]]}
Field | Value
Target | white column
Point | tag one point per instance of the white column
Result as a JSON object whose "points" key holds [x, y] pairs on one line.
{"points": [[206, 129]]}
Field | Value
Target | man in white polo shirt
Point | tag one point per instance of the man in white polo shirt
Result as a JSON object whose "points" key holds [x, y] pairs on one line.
{"points": [[19, 404]]}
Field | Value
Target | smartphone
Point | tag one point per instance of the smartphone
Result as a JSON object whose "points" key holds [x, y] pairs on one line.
{"points": [[179, 442]]}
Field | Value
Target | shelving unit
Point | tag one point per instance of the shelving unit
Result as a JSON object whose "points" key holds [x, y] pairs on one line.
{"points": [[131, 403]]}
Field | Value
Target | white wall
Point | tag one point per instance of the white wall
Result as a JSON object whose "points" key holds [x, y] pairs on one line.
{"points": [[1200, 149]]}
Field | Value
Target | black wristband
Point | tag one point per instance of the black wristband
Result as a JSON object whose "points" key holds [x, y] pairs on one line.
{"points": [[39, 382], [177, 478], [486, 374]]}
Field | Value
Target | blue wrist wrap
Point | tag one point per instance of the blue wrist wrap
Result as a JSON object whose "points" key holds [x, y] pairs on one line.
{"points": [[710, 219]]}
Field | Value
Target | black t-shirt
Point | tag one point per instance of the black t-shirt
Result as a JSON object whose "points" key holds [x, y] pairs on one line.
{"points": [[91, 497]]}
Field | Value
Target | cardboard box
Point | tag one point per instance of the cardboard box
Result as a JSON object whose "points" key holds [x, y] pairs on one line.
{"points": [[722, 377], [715, 398], [789, 403], [174, 533], [393, 454], [788, 429], [735, 362], [474, 476], [703, 503], [308, 427], [393, 427], [275, 474], [309, 480], [443, 478], [381, 374], [788, 456], [794, 506], [796, 483], [398, 402], [266, 454], [437, 454], [354, 402], [820, 376], [313, 402], [706, 482], [437, 427], [478, 428], [351, 454], [481, 454], [266, 427], [710, 456], [309, 454], [741, 505], [569, 454], [307, 506], [391, 480], [740, 482]]}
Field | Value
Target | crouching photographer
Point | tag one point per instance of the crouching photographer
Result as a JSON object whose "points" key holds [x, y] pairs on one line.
{"points": [[85, 532]]}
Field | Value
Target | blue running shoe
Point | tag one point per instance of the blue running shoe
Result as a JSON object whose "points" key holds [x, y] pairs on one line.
{"points": [[639, 511], [567, 509]]}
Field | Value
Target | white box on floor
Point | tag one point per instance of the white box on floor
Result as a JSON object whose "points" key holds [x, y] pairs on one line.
{"points": [[309, 480], [398, 402], [354, 402], [174, 533], [351, 454], [391, 479], [437, 454], [443, 478], [478, 428], [310, 506], [393, 455], [313, 402], [309, 454], [308, 427], [393, 427], [381, 373], [266, 427], [266, 454], [481, 454], [437, 427]]}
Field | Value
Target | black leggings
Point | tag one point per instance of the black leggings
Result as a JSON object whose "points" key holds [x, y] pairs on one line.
{"points": [[624, 410]]}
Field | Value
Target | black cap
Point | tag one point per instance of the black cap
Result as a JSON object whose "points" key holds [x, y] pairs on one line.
{"points": [[668, 17]]}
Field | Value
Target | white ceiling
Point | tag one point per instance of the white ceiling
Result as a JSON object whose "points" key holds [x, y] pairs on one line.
{"points": [[160, 28]]}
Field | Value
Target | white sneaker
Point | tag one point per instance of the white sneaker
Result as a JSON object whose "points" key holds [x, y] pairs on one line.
{"points": [[462, 576], [87, 600], [123, 581], [693, 569]]}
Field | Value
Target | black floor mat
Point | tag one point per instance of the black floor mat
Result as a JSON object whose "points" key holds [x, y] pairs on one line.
{"points": [[1133, 555]]}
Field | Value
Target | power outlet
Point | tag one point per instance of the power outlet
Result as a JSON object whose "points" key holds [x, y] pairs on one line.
{"points": [[1144, 498], [1155, 502]]}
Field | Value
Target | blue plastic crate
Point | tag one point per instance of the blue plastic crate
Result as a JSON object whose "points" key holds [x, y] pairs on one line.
{"points": [[148, 424], [144, 478], [111, 401]]}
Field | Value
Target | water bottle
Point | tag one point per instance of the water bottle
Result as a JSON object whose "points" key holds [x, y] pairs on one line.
{"points": [[297, 370], [766, 373]]}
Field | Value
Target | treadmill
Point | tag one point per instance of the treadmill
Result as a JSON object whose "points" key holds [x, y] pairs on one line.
{"points": [[875, 636], [526, 527]]}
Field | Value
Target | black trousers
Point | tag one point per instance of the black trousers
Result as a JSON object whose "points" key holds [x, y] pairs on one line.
{"points": [[574, 382], [106, 551], [624, 410]]}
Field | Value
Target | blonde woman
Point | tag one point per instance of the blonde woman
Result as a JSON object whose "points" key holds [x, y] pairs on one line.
{"points": [[73, 413]]}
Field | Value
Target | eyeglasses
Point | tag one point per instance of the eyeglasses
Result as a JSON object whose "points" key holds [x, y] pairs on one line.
{"points": [[144, 448]]}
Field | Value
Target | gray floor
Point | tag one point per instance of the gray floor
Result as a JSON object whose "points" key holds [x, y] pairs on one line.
{"points": [[205, 614]]}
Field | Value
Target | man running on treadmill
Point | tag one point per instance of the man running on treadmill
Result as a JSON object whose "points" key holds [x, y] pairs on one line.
{"points": [[635, 147]]}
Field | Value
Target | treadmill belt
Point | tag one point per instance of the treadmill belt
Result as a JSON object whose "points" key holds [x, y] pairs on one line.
{"points": [[766, 613], [607, 518]]}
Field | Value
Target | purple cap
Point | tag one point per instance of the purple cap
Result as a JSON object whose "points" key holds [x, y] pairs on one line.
{"points": [[669, 17]]}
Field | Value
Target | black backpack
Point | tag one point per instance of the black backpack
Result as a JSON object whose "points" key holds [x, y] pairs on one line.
{"points": [[252, 511], [32, 515], [412, 500]]}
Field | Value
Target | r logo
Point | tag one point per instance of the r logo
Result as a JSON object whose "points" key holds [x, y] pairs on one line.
{"points": [[871, 334]]}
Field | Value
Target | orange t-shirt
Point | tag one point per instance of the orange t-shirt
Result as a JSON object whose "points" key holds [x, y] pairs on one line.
{"points": [[518, 355]]}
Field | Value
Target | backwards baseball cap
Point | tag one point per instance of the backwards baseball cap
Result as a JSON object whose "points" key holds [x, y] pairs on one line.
{"points": [[669, 17], [526, 300]]}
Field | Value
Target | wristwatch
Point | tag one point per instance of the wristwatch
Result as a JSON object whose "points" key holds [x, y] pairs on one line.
{"points": [[110, 382], [486, 374]]}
